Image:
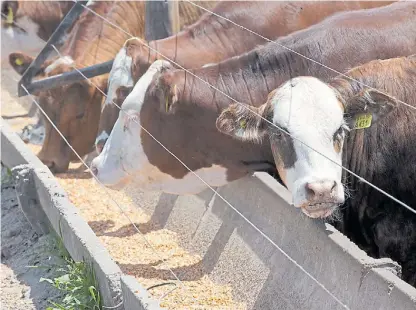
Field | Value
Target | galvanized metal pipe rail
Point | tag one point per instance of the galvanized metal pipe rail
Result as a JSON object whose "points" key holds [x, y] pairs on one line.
{"points": [[57, 39]]}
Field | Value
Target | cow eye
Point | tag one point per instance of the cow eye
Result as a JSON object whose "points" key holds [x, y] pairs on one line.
{"points": [[339, 134], [80, 116]]}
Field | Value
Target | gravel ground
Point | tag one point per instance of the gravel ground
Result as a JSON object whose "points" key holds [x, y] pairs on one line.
{"points": [[21, 248]]}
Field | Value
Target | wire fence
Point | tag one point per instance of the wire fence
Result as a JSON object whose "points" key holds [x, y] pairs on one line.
{"points": [[266, 120], [193, 172]]}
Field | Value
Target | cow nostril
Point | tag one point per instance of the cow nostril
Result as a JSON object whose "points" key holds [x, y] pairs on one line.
{"points": [[320, 189], [94, 170], [99, 146], [309, 190]]}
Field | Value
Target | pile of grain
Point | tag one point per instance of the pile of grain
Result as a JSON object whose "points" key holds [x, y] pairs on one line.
{"points": [[128, 247]]}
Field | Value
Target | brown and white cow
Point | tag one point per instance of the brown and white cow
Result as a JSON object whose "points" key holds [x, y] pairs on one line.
{"points": [[365, 129], [26, 25], [212, 39], [75, 108], [180, 111]]}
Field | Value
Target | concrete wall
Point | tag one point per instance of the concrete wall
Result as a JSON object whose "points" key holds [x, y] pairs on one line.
{"points": [[233, 252], [46, 206]]}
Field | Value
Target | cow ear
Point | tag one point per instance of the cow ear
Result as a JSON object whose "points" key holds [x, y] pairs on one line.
{"points": [[9, 10], [367, 108], [168, 92], [243, 122], [20, 62]]}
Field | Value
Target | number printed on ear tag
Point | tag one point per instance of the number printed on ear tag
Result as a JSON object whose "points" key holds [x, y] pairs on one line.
{"points": [[363, 121]]}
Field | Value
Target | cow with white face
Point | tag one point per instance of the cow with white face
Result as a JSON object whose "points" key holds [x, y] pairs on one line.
{"points": [[315, 128], [120, 84], [306, 121], [123, 153], [305, 110]]}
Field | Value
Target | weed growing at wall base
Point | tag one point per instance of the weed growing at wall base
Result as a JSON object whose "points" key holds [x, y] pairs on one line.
{"points": [[76, 281]]}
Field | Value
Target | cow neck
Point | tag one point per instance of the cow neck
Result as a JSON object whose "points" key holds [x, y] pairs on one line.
{"points": [[94, 40], [248, 78]]}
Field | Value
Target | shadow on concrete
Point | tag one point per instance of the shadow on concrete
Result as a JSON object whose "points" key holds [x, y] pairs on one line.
{"points": [[101, 228]]}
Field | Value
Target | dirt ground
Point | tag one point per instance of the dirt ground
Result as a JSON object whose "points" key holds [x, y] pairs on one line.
{"points": [[24, 257]]}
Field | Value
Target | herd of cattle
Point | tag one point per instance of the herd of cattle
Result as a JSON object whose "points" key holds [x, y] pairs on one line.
{"points": [[334, 87]]}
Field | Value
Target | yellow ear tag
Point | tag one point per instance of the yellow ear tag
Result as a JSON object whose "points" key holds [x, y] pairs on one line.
{"points": [[10, 16], [167, 99], [243, 123], [18, 62], [363, 121], [166, 104]]}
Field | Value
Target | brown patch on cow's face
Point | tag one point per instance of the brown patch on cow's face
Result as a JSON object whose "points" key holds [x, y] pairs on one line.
{"points": [[109, 115], [75, 111]]}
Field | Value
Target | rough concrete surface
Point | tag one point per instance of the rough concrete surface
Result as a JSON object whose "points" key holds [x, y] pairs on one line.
{"points": [[21, 247], [135, 296], [262, 275], [78, 238]]}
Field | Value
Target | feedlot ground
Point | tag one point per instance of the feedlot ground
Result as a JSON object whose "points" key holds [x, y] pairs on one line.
{"points": [[20, 249], [125, 245]]}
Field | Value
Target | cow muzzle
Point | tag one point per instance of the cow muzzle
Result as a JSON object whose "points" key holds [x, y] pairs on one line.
{"points": [[322, 197]]}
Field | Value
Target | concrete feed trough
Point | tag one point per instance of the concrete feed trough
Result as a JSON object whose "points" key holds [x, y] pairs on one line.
{"points": [[235, 253]]}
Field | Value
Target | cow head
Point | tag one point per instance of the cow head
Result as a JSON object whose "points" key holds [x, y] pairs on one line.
{"points": [[306, 120], [123, 151], [74, 108], [125, 72], [133, 153]]}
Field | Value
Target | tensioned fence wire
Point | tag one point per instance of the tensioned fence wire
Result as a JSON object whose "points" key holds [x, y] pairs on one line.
{"points": [[266, 120], [254, 113]]}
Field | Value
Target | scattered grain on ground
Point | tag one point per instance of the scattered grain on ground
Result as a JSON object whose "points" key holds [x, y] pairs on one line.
{"points": [[125, 245]]}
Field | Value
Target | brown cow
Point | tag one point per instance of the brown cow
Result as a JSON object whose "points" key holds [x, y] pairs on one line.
{"points": [[366, 130], [27, 24], [180, 111], [75, 108], [212, 39]]}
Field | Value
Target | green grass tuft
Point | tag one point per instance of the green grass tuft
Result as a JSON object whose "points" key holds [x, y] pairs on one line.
{"points": [[77, 282]]}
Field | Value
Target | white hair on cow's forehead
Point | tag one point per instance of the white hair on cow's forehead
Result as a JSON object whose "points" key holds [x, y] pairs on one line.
{"points": [[90, 2], [306, 100], [66, 60]]}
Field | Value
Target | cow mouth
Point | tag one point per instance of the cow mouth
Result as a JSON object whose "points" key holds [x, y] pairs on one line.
{"points": [[319, 210]]}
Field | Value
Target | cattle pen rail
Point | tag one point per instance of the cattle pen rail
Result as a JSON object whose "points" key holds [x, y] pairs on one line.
{"points": [[362, 273]]}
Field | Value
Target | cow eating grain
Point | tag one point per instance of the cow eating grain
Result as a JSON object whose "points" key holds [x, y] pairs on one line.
{"points": [[315, 128], [180, 111], [75, 107]]}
